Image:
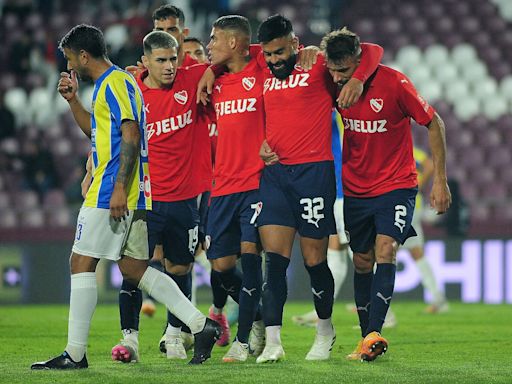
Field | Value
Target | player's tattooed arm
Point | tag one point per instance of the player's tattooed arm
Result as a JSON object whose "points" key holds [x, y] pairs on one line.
{"points": [[128, 154]]}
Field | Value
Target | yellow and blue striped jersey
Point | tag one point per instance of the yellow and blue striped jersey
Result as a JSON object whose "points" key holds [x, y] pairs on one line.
{"points": [[337, 145], [419, 157], [117, 98]]}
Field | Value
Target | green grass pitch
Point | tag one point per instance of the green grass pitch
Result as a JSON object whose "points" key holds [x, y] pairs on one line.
{"points": [[470, 344]]}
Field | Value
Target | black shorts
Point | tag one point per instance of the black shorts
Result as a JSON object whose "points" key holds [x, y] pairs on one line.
{"points": [[388, 214], [175, 225], [300, 196]]}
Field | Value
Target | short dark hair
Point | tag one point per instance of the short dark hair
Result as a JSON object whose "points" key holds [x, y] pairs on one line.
{"points": [[86, 37], [273, 27], [193, 40], [157, 40], [166, 11], [340, 44], [234, 23]]}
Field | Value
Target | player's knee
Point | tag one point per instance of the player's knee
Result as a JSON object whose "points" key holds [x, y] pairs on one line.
{"points": [[385, 251], [224, 264], [363, 263], [177, 269], [313, 260]]}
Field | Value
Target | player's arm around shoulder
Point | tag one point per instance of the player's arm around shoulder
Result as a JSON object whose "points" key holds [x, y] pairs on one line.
{"points": [[440, 196], [371, 55]]}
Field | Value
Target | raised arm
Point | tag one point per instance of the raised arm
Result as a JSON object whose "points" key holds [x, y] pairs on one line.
{"points": [[440, 197], [68, 87], [371, 54], [129, 152]]}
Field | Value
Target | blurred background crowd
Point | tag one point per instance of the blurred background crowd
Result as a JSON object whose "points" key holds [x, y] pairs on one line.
{"points": [[457, 53]]}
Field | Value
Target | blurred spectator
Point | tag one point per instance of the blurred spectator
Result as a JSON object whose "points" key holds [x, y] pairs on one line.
{"points": [[20, 55], [7, 122], [39, 173]]}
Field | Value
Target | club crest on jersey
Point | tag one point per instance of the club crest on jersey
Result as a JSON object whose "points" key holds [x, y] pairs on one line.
{"points": [[181, 97], [376, 105], [248, 83]]}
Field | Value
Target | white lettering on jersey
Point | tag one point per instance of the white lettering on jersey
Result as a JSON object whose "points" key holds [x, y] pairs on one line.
{"points": [[212, 129], [230, 107], [296, 80], [365, 126], [173, 123]]}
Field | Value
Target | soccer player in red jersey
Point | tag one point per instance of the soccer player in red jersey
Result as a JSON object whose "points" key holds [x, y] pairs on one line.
{"points": [[380, 180], [231, 229], [173, 131], [298, 185], [171, 19], [193, 47]]}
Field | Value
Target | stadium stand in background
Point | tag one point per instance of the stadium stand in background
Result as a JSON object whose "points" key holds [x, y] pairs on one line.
{"points": [[457, 53]]}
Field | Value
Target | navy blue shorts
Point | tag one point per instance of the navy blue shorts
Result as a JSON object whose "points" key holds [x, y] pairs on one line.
{"points": [[300, 196], [231, 220], [175, 225], [203, 201], [388, 214]]}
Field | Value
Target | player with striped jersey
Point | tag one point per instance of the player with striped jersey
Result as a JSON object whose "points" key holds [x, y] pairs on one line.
{"points": [[112, 222]]}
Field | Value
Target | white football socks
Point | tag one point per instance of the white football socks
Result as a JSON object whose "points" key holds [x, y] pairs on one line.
{"points": [[338, 264], [166, 291], [324, 327], [273, 334], [428, 279], [82, 303]]}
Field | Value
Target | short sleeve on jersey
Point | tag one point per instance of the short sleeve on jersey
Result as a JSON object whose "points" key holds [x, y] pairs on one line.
{"points": [[411, 103], [121, 99]]}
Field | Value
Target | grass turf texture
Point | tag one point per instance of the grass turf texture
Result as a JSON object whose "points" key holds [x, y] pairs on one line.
{"points": [[469, 344]]}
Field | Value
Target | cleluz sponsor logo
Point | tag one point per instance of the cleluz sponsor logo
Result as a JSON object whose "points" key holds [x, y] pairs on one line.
{"points": [[376, 105], [248, 83], [231, 107], [181, 97], [292, 81], [173, 123], [365, 126]]}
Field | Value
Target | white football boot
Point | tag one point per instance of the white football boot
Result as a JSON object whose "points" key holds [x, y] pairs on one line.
{"points": [[237, 353], [322, 347], [257, 338], [175, 349], [272, 353]]}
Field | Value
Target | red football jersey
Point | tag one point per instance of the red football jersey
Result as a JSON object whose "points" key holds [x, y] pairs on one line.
{"points": [[238, 102], [205, 157], [176, 135], [377, 142], [298, 108]]}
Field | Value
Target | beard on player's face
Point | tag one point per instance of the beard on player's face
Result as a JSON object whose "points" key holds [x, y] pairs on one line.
{"points": [[284, 67], [83, 74]]}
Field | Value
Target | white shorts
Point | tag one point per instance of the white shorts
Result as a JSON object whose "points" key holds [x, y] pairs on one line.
{"points": [[419, 239], [340, 222], [98, 235]]}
